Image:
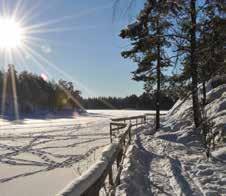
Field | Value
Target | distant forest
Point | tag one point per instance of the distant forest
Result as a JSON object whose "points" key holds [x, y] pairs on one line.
{"points": [[145, 101], [28, 92]]}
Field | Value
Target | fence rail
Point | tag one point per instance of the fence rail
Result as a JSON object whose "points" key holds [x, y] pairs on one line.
{"points": [[118, 124], [101, 173]]}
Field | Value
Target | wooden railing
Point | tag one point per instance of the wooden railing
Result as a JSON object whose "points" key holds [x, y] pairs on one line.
{"points": [[118, 124], [101, 173], [134, 120]]}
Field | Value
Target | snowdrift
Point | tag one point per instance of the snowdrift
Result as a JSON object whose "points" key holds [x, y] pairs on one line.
{"points": [[81, 184], [179, 120]]}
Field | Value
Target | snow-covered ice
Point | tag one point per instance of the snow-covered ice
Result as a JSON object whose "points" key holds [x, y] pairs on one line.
{"points": [[41, 156]]}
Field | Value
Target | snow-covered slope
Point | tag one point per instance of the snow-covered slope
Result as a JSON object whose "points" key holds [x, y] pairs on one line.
{"points": [[179, 119], [155, 166], [173, 161]]}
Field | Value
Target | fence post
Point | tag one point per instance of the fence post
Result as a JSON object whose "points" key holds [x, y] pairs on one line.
{"points": [[129, 134], [119, 157], [111, 177], [110, 132]]}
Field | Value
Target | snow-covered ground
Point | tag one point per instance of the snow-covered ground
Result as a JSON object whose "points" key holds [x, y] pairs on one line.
{"points": [[173, 161], [155, 166], [40, 157]]}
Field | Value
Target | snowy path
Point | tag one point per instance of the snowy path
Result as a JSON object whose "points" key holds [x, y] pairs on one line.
{"points": [[167, 170], [156, 166]]}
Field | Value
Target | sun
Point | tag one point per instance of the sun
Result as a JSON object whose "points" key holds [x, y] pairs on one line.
{"points": [[11, 34]]}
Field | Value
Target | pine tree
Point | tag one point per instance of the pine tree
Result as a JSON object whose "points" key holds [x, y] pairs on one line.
{"points": [[185, 37], [212, 43], [149, 41], [199, 31]]}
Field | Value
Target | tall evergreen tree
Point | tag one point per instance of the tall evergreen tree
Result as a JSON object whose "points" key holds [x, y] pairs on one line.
{"points": [[212, 42], [149, 41], [196, 35], [185, 38]]}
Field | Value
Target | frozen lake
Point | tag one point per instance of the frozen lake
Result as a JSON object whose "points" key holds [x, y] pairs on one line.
{"points": [[41, 156]]}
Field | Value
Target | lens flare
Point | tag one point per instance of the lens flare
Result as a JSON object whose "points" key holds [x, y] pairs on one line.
{"points": [[44, 77]]}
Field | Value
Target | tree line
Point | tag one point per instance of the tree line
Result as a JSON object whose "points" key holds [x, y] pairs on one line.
{"points": [[145, 101], [28, 92], [178, 44]]}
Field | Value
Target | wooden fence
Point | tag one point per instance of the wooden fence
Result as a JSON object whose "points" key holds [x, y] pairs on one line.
{"points": [[101, 173], [118, 124]]}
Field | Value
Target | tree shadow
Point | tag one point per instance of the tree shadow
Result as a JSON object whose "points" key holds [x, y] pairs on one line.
{"points": [[146, 157]]}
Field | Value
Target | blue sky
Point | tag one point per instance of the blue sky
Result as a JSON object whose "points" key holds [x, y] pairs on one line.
{"points": [[80, 38]]}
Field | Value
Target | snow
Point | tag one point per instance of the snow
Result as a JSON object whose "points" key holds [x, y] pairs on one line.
{"points": [[155, 166], [79, 185], [220, 154], [41, 156], [173, 161]]}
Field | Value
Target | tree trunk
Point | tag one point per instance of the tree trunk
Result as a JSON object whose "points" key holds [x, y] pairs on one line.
{"points": [[194, 72], [158, 80], [158, 91], [204, 93]]}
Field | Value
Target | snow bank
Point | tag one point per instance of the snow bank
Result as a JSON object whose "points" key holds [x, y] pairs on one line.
{"points": [[79, 185], [179, 120], [220, 154], [216, 81], [134, 181]]}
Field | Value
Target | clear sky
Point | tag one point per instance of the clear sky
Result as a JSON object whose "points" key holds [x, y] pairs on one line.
{"points": [[77, 41]]}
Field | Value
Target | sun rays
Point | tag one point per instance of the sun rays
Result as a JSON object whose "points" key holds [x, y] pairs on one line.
{"points": [[21, 39]]}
